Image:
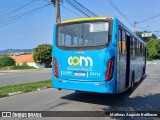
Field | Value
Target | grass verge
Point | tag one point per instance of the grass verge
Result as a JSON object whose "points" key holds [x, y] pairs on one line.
{"points": [[18, 67], [28, 87]]}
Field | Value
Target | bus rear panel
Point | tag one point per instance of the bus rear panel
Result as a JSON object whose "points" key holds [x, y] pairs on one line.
{"points": [[84, 56], [97, 55]]}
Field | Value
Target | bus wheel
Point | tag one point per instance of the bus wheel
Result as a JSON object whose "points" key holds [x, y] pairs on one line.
{"points": [[130, 90], [143, 71]]}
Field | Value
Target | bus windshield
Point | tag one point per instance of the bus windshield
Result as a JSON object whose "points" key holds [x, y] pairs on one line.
{"points": [[83, 34]]}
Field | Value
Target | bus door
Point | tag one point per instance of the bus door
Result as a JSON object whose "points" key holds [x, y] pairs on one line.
{"points": [[124, 59], [128, 37]]}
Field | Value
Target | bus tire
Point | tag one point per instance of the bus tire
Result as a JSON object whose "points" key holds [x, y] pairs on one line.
{"points": [[143, 71], [77, 91], [130, 90]]}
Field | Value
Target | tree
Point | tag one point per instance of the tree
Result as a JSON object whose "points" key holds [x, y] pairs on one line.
{"points": [[153, 49], [6, 61], [43, 54]]}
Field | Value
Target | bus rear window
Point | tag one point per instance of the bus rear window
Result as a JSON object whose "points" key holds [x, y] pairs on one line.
{"points": [[83, 34]]}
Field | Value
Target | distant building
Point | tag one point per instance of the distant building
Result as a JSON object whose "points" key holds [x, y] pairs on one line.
{"points": [[27, 58]]}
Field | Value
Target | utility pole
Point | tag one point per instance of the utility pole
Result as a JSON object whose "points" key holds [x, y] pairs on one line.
{"points": [[56, 4], [135, 27]]}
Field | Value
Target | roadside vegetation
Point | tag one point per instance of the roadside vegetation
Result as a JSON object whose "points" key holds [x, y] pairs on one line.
{"points": [[153, 49], [43, 53], [28, 87], [8, 63], [152, 45], [24, 66]]}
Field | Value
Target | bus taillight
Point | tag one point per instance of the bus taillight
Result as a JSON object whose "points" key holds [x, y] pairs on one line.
{"points": [[110, 69], [55, 68]]}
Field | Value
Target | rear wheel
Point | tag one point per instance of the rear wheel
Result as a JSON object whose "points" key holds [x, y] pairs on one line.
{"points": [[77, 91], [143, 71]]}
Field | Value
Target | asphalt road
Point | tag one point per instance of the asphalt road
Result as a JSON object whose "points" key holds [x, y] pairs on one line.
{"points": [[27, 76], [146, 97]]}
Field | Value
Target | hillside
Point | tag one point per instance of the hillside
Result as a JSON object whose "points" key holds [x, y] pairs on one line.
{"points": [[12, 51]]}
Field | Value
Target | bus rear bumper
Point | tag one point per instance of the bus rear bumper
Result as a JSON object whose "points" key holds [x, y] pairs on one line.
{"points": [[99, 87]]}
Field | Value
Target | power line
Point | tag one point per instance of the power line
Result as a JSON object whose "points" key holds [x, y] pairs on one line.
{"points": [[19, 5], [155, 16], [71, 10], [19, 15], [22, 15], [114, 6], [142, 28], [79, 7], [16, 10], [149, 18], [147, 29], [11, 7], [90, 12]]}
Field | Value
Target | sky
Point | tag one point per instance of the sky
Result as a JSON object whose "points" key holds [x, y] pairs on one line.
{"points": [[30, 31]]}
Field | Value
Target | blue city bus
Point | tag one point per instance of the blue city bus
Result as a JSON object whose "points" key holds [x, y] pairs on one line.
{"points": [[98, 54]]}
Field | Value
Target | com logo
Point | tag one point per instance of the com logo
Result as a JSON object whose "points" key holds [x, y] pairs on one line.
{"points": [[79, 61]]}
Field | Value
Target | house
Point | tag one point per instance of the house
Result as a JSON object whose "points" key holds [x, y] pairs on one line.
{"points": [[27, 58]]}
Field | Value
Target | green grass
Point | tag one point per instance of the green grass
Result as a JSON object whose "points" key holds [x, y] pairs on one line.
{"points": [[24, 87], [6, 68], [22, 67], [18, 67]]}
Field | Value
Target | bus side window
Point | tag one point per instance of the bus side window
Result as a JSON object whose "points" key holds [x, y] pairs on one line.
{"points": [[144, 49], [119, 41], [133, 40], [131, 46], [138, 49], [135, 44], [141, 49], [123, 43]]}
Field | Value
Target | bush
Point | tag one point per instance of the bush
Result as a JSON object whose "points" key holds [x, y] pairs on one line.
{"points": [[153, 49], [23, 66], [20, 67], [43, 54], [6, 61]]}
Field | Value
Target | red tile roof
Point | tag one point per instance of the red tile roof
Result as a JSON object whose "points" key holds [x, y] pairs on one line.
{"points": [[23, 58]]}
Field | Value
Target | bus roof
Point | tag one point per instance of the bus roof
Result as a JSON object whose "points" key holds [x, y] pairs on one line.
{"points": [[85, 19], [100, 18]]}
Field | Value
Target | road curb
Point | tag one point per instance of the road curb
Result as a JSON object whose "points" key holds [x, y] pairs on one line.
{"points": [[22, 92], [11, 71], [25, 70], [15, 93]]}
